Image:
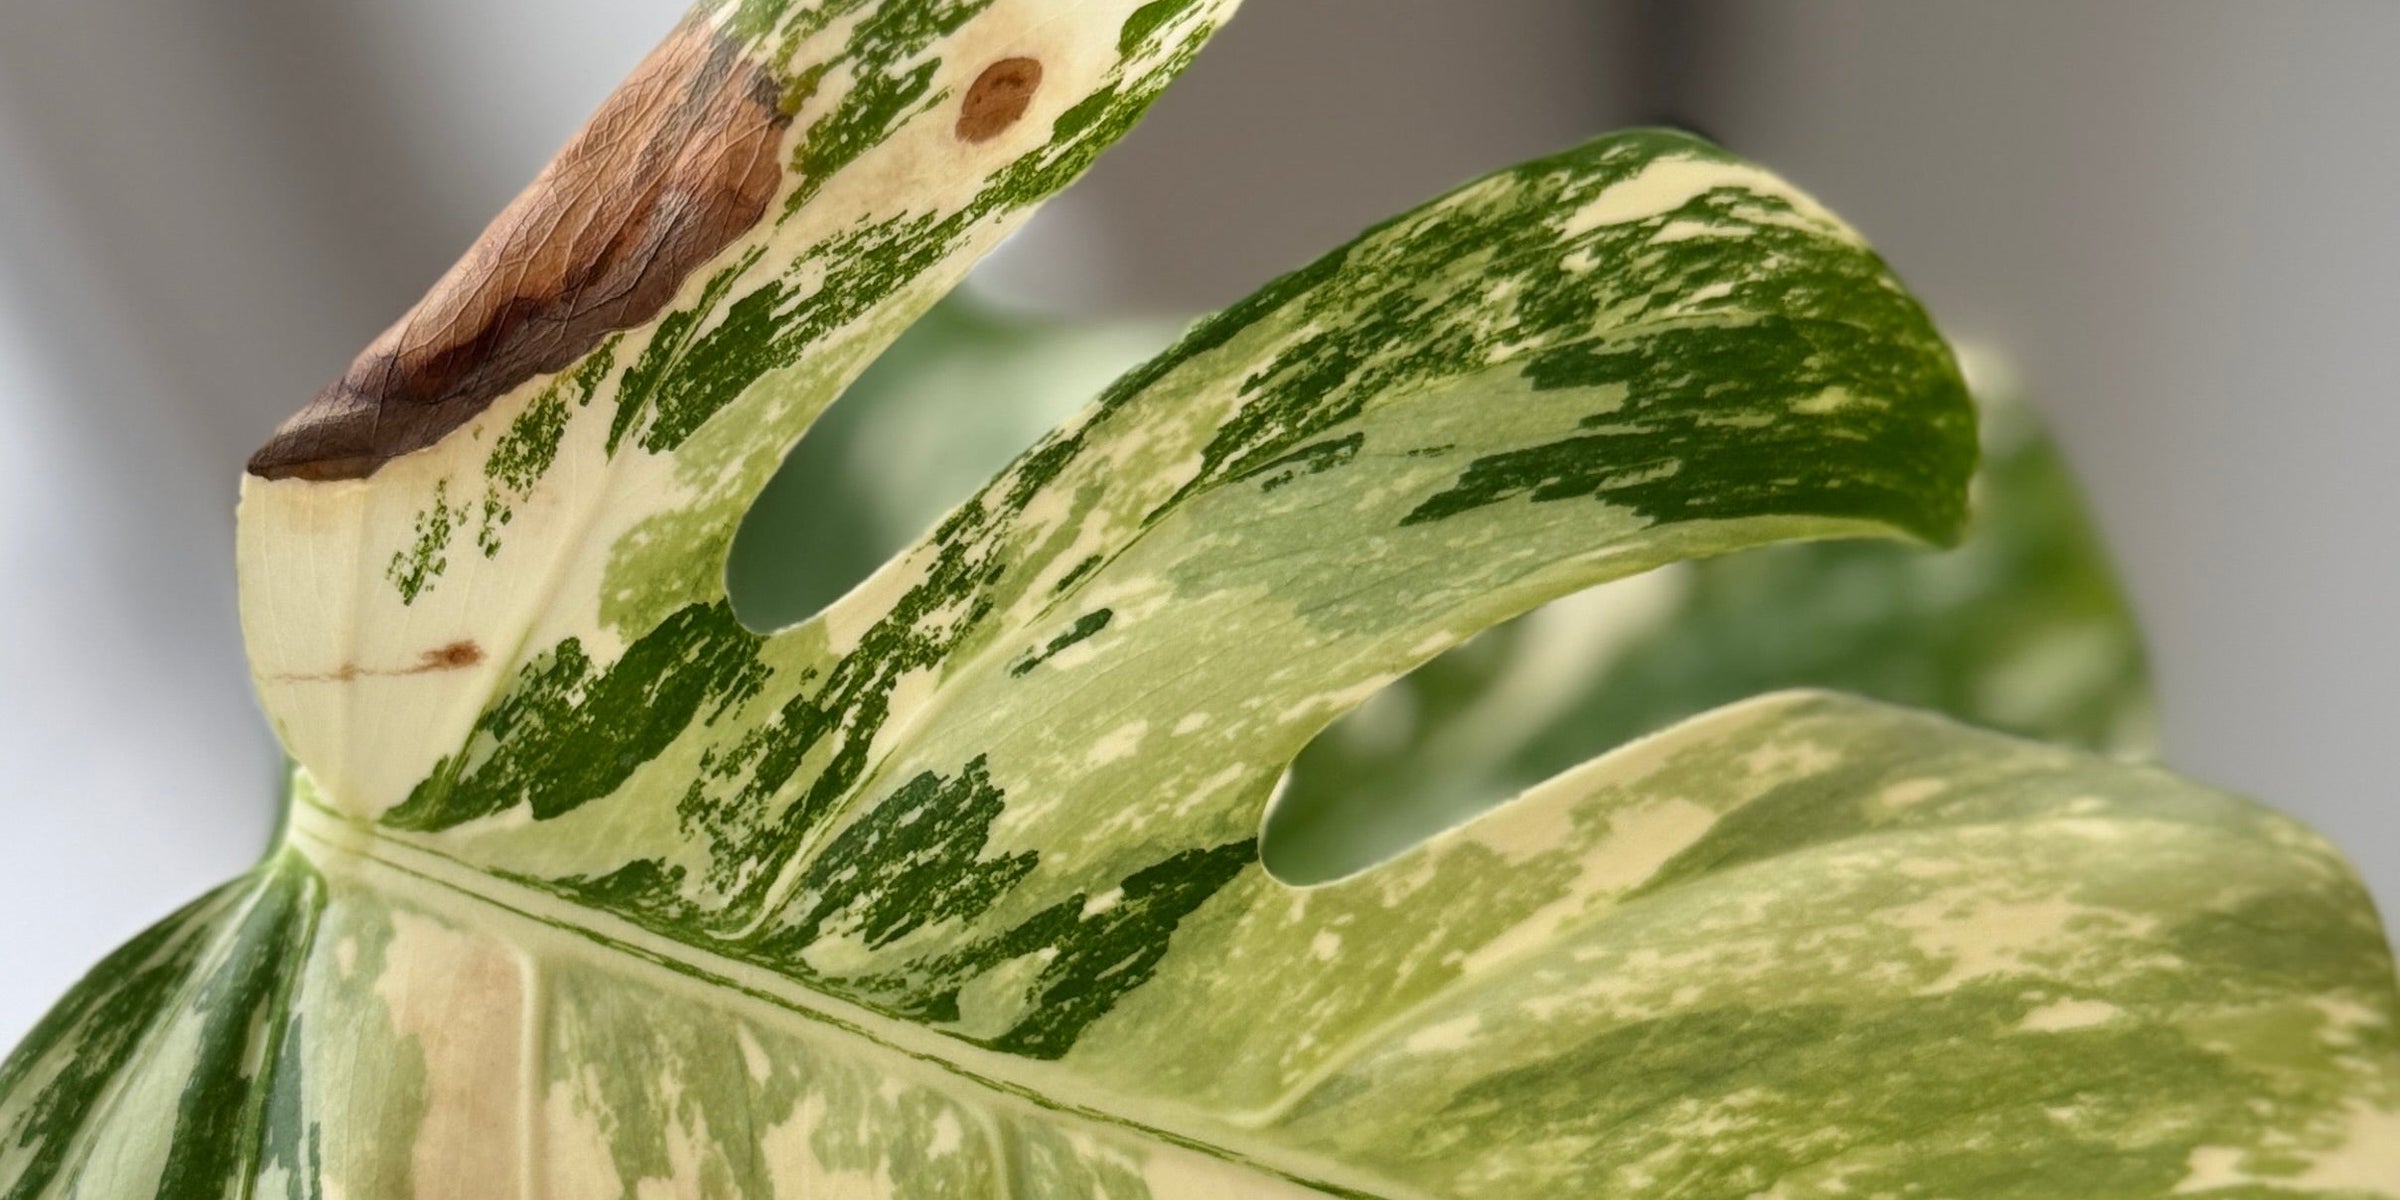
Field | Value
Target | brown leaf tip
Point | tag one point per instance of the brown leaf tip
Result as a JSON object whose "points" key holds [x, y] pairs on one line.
{"points": [[676, 165], [998, 98]]}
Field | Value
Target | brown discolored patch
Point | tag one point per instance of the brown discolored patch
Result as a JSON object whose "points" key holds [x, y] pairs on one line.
{"points": [[452, 657], [998, 98], [456, 656], [678, 163]]}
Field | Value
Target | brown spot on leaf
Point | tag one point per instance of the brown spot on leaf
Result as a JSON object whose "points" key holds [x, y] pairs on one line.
{"points": [[998, 98], [675, 165], [458, 655], [453, 656]]}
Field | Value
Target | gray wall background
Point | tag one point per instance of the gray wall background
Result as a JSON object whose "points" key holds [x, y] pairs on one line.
{"points": [[2178, 216]]}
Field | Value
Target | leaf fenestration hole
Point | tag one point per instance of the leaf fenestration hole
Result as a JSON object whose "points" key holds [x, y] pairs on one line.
{"points": [[2021, 629], [958, 396], [1468, 730]]}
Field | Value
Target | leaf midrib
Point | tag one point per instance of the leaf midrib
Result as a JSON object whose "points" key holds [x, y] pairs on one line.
{"points": [[326, 840]]}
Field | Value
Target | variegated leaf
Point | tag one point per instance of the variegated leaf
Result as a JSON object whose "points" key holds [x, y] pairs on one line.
{"points": [[954, 890], [2021, 628]]}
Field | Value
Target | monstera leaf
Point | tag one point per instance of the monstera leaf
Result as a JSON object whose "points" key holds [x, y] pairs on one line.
{"points": [[2022, 627], [955, 888]]}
